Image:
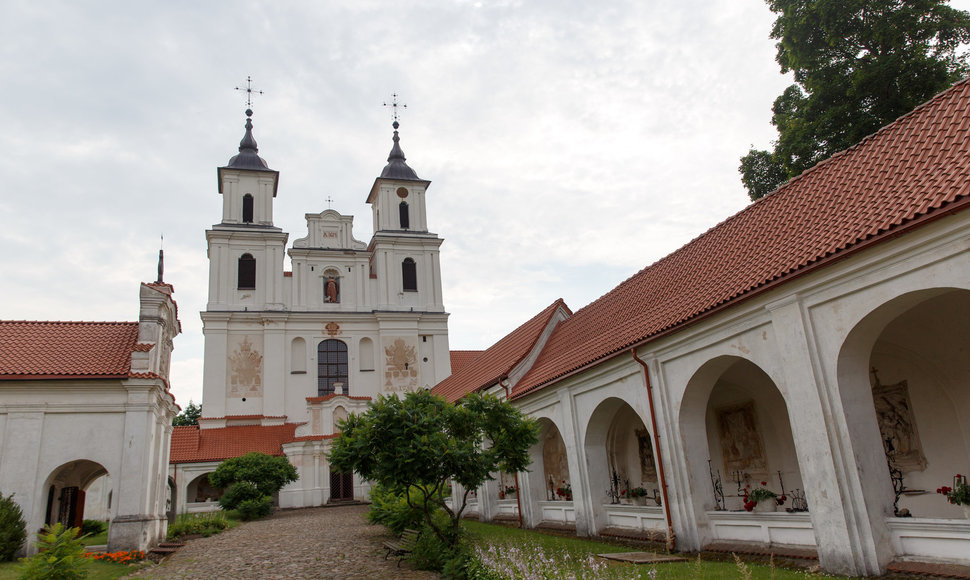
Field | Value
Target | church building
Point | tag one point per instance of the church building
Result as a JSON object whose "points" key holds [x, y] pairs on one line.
{"points": [[290, 352]]}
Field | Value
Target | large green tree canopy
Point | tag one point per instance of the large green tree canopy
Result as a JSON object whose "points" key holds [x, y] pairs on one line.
{"points": [[420, 442], [858, 65]]}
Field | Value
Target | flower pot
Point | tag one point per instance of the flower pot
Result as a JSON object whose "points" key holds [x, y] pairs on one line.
{"points": [[640, 500], [966, 511], [766, 505]]}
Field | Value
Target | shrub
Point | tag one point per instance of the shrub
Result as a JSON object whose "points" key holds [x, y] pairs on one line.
{"points": [[237, 493], [61, 556], [252, 509], [93, 527], [13, 528], [392, 510], [203, 524], [431, 553]]}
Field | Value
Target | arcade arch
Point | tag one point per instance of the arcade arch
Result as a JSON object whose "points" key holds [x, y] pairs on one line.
{"points": [[65, 491]]}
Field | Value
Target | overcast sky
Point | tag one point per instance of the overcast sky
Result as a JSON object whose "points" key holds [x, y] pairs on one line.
{"points": [[569, 143]]}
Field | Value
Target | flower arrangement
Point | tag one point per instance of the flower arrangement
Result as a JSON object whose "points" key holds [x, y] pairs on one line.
{"points": [[129, 557], [959, 494], [759, 494], [565, 491], [510, 490], [638, 492]]}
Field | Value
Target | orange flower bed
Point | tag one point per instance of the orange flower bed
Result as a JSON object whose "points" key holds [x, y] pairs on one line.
{"points": [[118, 557]]}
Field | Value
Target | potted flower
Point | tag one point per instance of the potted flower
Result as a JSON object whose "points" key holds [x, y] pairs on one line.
{"points": [[959, 494], [760, 499], [565, 491], [639, 495], [510, 490]]}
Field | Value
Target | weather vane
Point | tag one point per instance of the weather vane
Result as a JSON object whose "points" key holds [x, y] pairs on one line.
{"points": [[250, 91], [395, 113]]}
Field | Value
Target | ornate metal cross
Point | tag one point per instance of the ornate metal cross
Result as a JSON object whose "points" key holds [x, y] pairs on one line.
{"points": [[250, 91], [395, 113]]}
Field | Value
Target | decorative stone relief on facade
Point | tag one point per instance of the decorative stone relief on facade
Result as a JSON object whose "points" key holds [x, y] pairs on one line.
{"points": [[648, 469], [245, 368], [894, 411], [332, 329], [741, 444], [401, 365]]}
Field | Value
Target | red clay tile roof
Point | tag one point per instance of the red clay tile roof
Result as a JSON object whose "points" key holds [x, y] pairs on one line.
{"points": [[460, 358], [192, 445], [66, 350], [913, 170], [499, 359]]}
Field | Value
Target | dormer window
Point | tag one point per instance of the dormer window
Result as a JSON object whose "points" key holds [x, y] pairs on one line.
{"points": [[405, 217], [247, 216], [409, 275], [247, 272]]}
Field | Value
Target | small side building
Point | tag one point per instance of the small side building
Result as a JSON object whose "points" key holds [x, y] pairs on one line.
{"points": [[84, 400]]}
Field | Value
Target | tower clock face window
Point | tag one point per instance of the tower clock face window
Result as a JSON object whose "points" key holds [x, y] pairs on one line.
{"points": [[247, 272], [409, 275], [247, 214]]}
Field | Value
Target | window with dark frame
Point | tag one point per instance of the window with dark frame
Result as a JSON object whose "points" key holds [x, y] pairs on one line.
{"points": [[247, 273], [409, 275], [331, 367], [247, 209], [405, 215]]}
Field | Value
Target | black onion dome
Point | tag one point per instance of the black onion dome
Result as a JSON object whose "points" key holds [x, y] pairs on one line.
{"points": [[396, 167], [247, 157]]}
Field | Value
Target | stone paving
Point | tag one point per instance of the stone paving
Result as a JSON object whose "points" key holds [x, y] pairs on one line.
{"points": [[332, 542]]}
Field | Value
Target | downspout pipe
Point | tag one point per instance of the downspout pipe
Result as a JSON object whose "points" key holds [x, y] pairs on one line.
{"points": [[657, 451], [504, 383]]}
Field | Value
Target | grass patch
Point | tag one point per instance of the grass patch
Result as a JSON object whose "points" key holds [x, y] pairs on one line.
{"points": [[572, 556], [96, 539], [96, 570], [204, 524]]}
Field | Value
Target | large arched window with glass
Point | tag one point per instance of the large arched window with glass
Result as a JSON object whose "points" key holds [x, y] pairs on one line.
{"points": [[247, 272], [409, 275], [247, 209], [331, 367]]}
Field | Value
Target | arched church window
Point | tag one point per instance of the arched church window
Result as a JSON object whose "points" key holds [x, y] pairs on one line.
{"points": [[331, 286], [247, 272], [409, 275], [247, 209], [331, 367], [405, 217]]}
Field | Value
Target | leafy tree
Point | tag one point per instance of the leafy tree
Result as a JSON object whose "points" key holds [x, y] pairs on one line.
{"points": [[189, 415], [414, 445], [250, 478], [858, 65], [13, 528]]}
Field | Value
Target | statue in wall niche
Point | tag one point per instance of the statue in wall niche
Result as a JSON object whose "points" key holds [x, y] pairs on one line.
{"points": [[245, 370], [648, 469], [897, 425], [331, 291], [741, 445]]}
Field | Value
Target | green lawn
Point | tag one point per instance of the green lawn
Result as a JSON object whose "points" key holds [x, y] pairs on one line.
{"points": [[522, 543], [96, 571]]}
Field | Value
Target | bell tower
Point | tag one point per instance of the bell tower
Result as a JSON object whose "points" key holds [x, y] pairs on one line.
{"points": [[405, 254]]}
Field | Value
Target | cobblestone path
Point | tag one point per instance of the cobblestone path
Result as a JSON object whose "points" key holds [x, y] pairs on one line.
{"points": [[309, 543]]}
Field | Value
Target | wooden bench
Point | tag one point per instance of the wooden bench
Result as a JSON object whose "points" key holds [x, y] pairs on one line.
{"points": [[402, 546]]}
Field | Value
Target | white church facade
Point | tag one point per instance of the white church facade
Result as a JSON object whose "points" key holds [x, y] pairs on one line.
{"points": [[288, 353], [814, 344]]}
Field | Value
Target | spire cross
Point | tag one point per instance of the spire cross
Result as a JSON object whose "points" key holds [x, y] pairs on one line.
{"points": [[329, 201], [395, 113], [250, 91]]}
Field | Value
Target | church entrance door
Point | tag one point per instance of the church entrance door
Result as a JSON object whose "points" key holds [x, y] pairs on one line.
{"points": [[341, 486]]}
